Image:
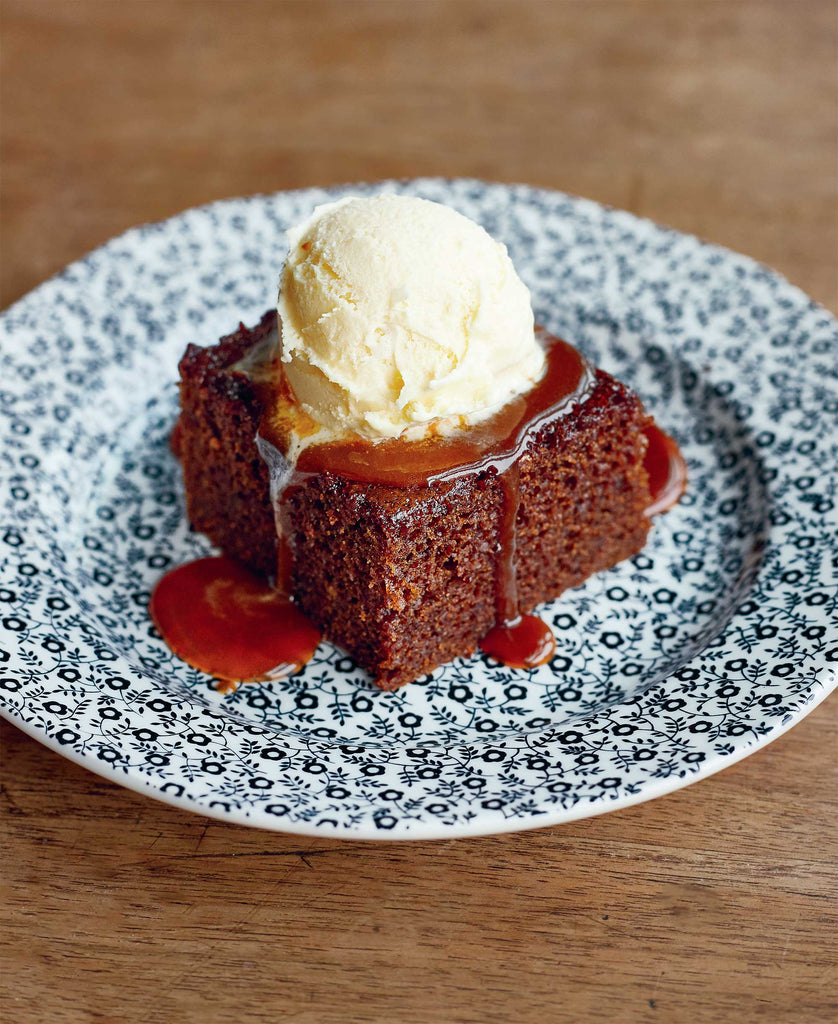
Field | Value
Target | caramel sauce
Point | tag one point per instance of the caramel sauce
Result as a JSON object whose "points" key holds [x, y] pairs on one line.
{"points": [[666, 469], [491, 445], [523, 643], [227, 622]]}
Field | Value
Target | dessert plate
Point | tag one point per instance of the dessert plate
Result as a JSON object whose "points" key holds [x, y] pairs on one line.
{"points": [[713, 641]]}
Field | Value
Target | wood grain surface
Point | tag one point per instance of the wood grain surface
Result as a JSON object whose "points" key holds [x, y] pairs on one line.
{"points": [[717, 903]]}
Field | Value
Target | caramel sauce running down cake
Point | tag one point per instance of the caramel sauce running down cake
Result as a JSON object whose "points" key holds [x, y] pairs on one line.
{"points": [[492, 446], [406, 553]]}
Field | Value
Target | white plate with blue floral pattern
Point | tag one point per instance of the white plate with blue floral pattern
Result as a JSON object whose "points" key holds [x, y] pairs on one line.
{"points": [[713, 641]]}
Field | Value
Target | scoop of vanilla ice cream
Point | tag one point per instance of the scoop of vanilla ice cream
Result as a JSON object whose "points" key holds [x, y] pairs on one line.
{"points": [[400, 315]]}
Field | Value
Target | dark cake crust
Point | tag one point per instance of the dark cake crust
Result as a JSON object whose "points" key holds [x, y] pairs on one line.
{"points": [[404, 578], [225, 479]]}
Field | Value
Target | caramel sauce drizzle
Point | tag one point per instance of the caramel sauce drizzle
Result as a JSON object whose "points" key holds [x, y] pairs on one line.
{"points": [[493, 446]]}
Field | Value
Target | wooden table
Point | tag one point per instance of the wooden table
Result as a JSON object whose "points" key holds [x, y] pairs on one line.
{"points": [[717, 903]]}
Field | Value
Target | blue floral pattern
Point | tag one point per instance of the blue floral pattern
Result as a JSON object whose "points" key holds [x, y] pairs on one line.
{"points": [[712, 641]]}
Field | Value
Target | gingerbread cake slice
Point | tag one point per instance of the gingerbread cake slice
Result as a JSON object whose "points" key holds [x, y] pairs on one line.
{"points": [[406, 578]]}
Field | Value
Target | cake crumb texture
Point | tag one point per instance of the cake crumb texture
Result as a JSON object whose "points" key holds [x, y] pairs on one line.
{"points": [[404, 578]]}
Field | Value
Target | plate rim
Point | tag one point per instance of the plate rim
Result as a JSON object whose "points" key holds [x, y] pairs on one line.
{"points": [[435, 832]]}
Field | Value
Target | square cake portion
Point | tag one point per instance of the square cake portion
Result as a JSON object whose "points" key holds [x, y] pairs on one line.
{"points": [[404, 578]]}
